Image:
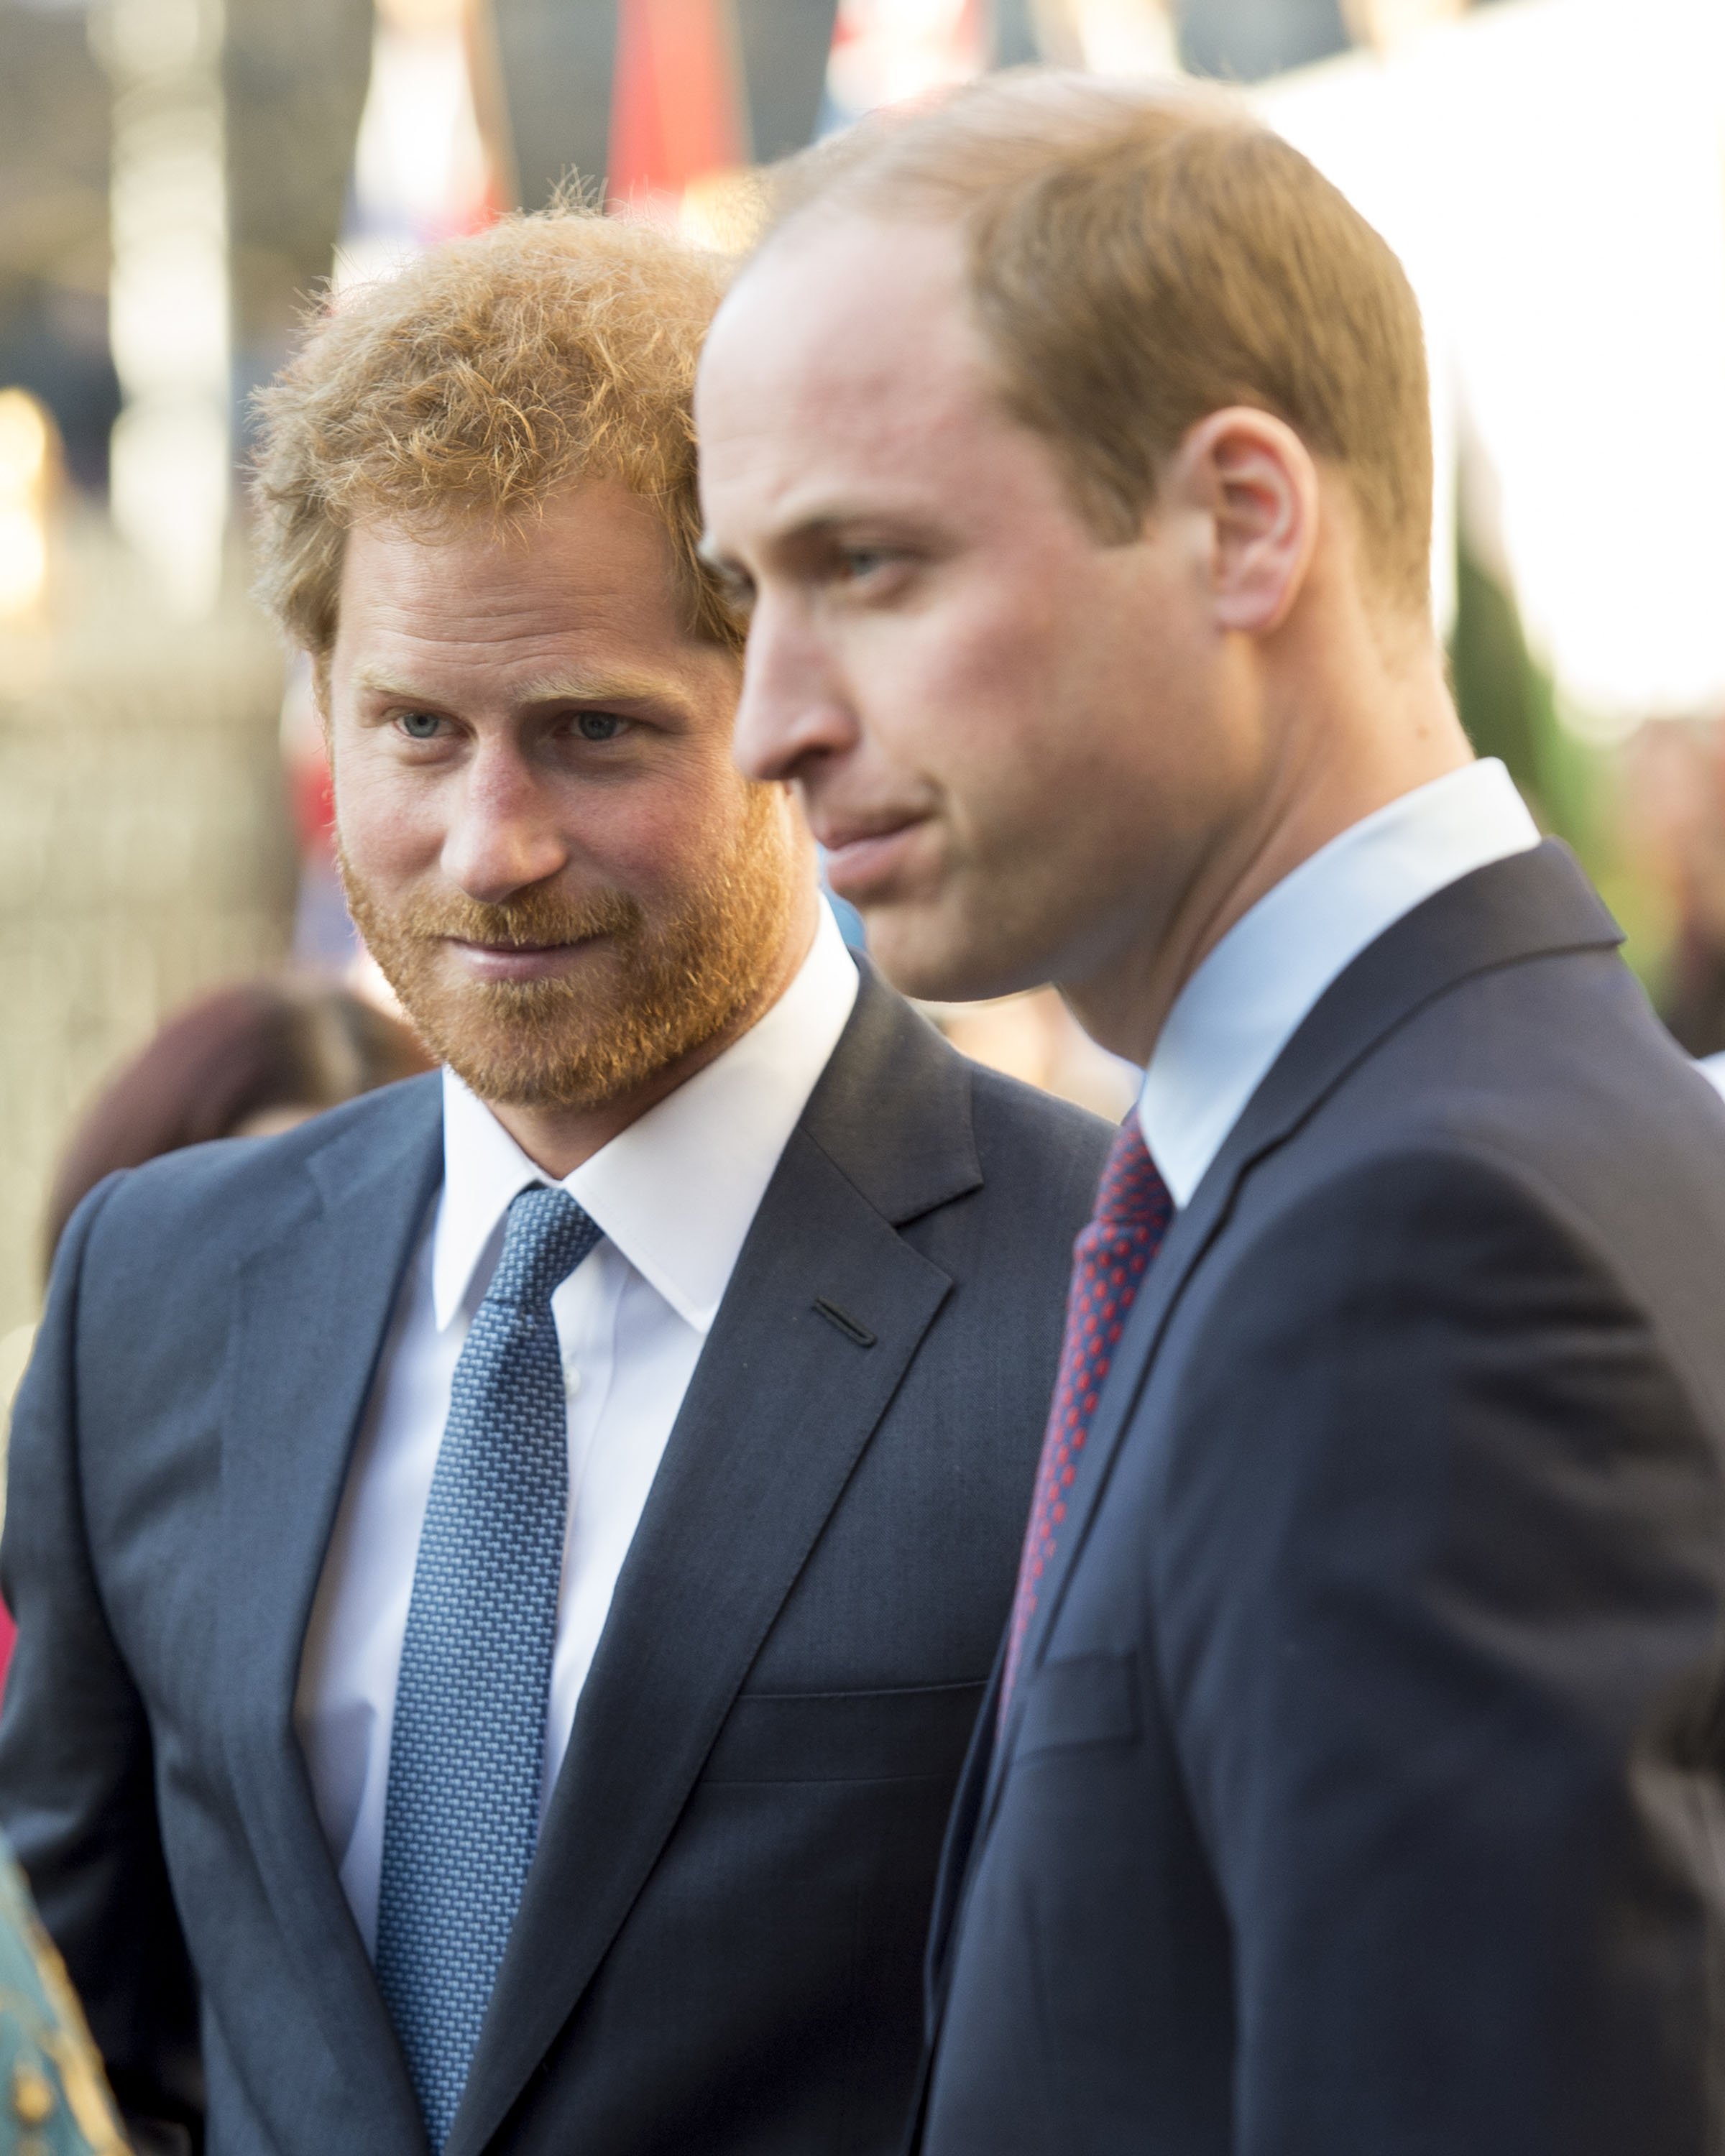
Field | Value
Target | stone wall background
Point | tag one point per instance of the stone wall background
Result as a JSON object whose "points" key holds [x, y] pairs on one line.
{"points": [[145, 852]]}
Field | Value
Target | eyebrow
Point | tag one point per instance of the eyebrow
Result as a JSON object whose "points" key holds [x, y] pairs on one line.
{"points": [[601, 685], [567, 686], [823, 524]]}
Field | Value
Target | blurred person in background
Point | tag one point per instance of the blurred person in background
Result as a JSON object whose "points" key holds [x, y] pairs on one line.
{"points": [[1354, 1779], [506, 1573], [1672, 806], [246, 1061]]}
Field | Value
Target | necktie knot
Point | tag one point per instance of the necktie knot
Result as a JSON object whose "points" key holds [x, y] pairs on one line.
{"points": [[1132, 1199], [548, 1235]]}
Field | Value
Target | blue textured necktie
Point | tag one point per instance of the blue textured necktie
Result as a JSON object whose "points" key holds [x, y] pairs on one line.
{"points": [[461, 1814]]}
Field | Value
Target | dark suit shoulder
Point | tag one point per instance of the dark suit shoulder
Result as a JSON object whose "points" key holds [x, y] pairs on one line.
{"points": [[1418, 1218], [1555, 1056], [913, 1125], [1414, 1359], [228, 1196], [1024, 1132], [1004, 1233], [1555, 1072]]}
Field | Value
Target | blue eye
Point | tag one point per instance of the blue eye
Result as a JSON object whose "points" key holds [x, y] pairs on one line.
{"points": [[599, 725], [419, 725]]}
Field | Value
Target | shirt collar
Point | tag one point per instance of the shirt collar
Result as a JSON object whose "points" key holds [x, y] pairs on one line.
{"points": [[677, 1191], [1246, 1000]]}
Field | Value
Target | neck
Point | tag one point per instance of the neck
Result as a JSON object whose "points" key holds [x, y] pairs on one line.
{"points": [[558, 1140], [1338, 757]]}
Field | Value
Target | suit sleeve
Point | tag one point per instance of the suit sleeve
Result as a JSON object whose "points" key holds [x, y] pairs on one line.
{"points": [[1440, 1609], [77, 1796]]}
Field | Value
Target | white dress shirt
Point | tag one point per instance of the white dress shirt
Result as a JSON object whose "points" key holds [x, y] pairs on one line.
{"points": [[675, 1194], [1246, 1000]]}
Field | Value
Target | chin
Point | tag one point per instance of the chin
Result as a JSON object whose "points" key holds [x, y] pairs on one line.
{"points": [[929, 955]]}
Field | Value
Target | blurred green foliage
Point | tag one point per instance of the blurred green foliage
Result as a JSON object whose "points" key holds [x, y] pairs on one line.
{"points": [[1508, 704]]}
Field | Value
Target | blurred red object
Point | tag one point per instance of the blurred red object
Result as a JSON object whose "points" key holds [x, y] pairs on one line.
{"points": [[675, 114], [313, 796], [1671, 815]]}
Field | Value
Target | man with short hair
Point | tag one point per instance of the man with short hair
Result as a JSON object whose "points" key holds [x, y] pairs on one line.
{"points": [[1351, 1782], [506, 1573]]}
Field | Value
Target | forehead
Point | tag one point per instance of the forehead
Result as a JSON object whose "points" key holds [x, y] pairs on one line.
{"points": [[846, 348], [593, 566]]}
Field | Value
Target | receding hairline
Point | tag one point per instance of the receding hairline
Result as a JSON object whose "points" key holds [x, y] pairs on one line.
{"points": [[873, 168], [1042, 161]]}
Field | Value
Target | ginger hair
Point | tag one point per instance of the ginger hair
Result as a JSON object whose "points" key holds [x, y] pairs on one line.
{"points": [[1140, 258], [491, 374]]}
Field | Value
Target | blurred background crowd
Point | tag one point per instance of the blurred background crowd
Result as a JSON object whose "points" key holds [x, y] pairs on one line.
{"points": [[180, 179]]}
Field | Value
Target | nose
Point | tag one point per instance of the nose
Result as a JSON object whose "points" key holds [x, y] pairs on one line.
{"points": [[506, 835], [794, 711]]}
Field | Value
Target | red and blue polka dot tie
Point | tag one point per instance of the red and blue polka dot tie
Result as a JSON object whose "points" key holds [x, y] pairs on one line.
{"points": [[1110, 1259]]}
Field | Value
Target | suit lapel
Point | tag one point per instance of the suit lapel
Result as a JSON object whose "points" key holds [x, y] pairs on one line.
{"points": [[782, 1405], [1528, 906], [1190, 1236], [313, 1306]]}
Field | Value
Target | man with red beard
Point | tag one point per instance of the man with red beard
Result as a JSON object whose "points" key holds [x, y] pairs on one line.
{"points": [[506, 1573]]}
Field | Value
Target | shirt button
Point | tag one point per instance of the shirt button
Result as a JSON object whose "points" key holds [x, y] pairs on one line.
{"points": [[571, 1377]]}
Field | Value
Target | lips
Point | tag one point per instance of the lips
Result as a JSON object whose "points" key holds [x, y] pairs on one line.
{"points": [[864, 857], [519, 961], [563, 943]]}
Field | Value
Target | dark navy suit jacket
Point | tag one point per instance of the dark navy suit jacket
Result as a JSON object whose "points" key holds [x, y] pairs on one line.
{"points": [[719, 1949], [1361, 1792]]}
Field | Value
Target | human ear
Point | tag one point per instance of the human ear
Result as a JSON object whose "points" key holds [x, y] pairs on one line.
{"points": [[1256, 482]]}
